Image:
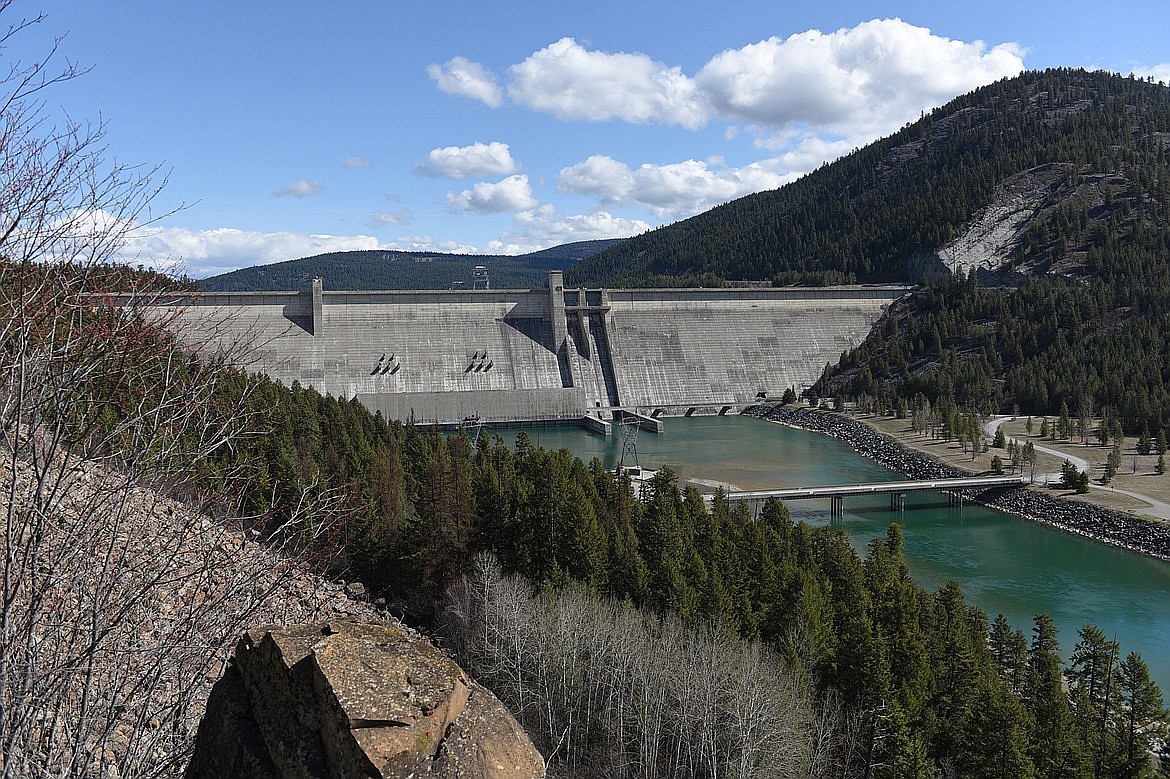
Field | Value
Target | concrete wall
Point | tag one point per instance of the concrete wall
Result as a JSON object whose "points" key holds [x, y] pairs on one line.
{"points": [[723, 347], [526, 355]]}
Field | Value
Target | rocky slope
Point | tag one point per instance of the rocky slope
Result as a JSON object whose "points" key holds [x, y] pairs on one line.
{"points": [[123, 605]]}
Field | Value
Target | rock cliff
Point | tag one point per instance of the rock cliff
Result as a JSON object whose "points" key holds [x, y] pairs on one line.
{"points": [[351, 699]]}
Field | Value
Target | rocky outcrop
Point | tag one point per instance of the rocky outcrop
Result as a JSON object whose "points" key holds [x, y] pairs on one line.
{"points": [[350, 699]]}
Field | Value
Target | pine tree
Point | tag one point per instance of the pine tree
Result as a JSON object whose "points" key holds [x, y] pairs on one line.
{"points": [[1144, 442], [1009, 652], [996, 742], [1143, 717], [1093, 680], [1053, 747]]}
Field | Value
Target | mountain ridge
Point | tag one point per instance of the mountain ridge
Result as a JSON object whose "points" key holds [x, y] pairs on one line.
{"points": [[874, 214], [379, 269]]}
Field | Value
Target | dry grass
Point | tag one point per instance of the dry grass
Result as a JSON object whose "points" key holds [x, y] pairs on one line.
{"points": [[1143, 481]]}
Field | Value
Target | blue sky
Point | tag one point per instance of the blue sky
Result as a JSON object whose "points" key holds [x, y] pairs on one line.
{"points": [[292, 128]]}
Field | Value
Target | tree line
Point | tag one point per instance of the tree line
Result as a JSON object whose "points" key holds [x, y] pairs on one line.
{"points": [[927, 683], [1048, 343]]}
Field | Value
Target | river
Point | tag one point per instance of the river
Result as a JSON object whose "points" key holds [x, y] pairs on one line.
{"points": [[1005, 564]]}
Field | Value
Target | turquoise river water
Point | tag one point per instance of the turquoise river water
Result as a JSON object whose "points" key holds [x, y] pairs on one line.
{"points": [[1005, 564]]}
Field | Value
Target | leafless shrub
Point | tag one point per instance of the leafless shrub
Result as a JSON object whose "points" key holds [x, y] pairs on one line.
{"points": [[116, 599], [606, 690]]}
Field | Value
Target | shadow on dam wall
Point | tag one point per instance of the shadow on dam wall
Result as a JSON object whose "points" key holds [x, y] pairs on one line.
{"points": [[538, 356]]}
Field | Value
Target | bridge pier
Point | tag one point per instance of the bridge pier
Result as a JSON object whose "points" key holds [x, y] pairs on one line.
{"points": [[897, 501], [836, 506], [955, 499]]}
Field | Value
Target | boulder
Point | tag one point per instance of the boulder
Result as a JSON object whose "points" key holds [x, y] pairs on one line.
{"points": [[351, 699]]}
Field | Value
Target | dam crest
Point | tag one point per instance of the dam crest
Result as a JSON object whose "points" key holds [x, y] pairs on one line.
{"points": [[552, 355]]}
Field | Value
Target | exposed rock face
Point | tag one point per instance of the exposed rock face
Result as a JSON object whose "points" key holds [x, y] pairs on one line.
{"points": [[352, 699]]}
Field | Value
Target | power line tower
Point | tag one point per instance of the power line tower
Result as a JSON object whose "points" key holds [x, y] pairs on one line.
{"points": [[629, 431], [479, 278]]}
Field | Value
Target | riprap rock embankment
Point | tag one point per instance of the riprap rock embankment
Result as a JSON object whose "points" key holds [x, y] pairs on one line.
{"points": [[1110, 527]]}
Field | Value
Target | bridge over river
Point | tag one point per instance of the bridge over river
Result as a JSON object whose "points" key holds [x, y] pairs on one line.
{"points": [[897, 490]]}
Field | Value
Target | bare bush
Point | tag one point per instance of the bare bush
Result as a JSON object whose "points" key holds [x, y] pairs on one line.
{"points": [[116, 601], [606, 690]]}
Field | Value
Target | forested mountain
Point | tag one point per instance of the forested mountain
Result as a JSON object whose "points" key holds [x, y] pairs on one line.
{"points": [[381, 269], [1036, 211], [1034, 172], [1074, 318]]}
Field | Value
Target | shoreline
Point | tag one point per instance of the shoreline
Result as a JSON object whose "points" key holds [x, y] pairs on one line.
{"points": [[1098, 524]]}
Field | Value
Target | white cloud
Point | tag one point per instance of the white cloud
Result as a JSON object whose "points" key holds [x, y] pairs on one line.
{"points": [[384, 218], [673, 190], [878, 74], [356, 162], [507, 196], [544, 227], [461, 76], [208, 252], [300, 188], [428, 243], [572, 83], [1158, 73], [468, 162], [600, 176], [856, 82]]}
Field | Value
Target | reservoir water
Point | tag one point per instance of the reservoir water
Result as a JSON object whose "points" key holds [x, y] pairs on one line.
{"points": [[1005, 564]]}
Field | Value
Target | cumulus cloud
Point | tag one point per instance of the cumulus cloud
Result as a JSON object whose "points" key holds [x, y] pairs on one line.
{"points": [[223, 249], [671, 190], [461, 76], [300, 188], [429, 243], [356, 162], [573, 83], [1158, 73], [881, 72], [468, 162], [507, 196], [543, 227], [853, 82], [384, 218], [600, 176]]}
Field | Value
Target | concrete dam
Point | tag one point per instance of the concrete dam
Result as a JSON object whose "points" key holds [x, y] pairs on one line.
{"points": [[557, 355]]}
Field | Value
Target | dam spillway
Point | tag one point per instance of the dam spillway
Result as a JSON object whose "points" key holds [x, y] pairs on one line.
{"points": [[555, 355]]}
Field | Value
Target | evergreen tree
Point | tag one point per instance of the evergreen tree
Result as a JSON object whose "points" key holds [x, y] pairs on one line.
{"points": [[1144, 442], [996, 743], [1142, 717], [1093, 679], [1053, 747]]}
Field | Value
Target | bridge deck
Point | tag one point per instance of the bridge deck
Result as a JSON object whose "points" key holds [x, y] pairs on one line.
{"points": [[896, 487]]}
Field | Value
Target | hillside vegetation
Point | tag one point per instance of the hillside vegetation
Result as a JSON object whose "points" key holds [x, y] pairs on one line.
{"points": [[1075, 318], [1036, 211], [1083, 154], [395, 270]]}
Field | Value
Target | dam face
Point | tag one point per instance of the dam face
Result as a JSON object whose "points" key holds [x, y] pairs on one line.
{"points": [[537, 355]]}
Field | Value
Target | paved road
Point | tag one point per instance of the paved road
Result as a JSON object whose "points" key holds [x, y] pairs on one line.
{"points": [[1156, 508]]}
